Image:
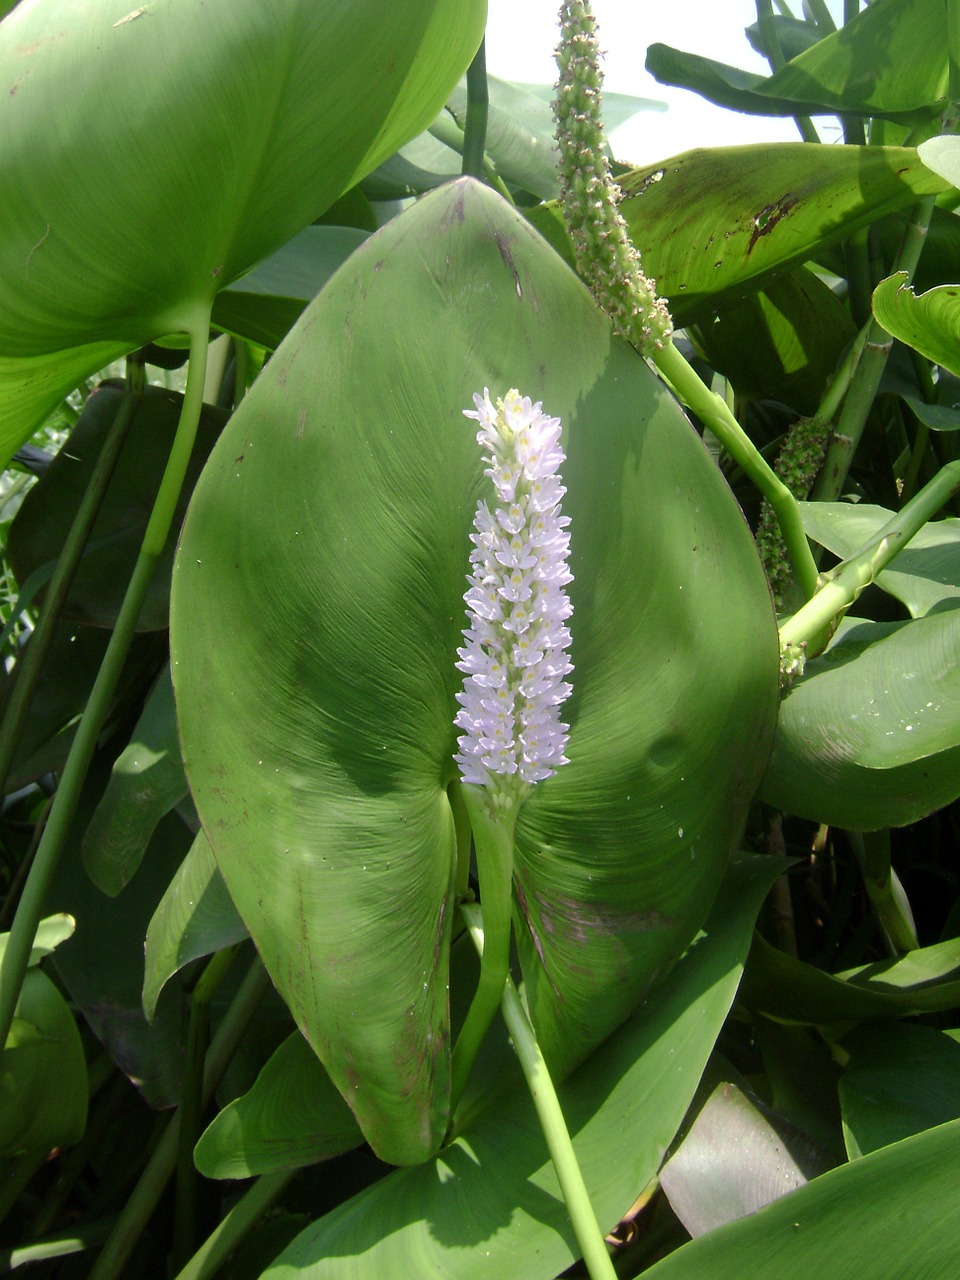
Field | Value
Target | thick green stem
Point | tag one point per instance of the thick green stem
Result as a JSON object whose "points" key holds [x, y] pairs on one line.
{"points": [[30, 665], [191, 1105], [575, 1195], [138, 1209], [493, 833], [891, 907], [714, 413], [57, 831], [869, 371], [221, 1242], [478, 107], [847, 581]]}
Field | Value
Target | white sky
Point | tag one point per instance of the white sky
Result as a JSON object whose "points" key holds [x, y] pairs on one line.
{"points": [[521, 35]]}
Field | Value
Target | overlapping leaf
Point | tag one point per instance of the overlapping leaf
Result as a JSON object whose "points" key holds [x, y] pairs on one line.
{"points": [[319, 745], [226, 127]]}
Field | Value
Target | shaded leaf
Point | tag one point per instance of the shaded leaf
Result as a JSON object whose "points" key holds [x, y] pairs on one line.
{"points": [[783, 987], [782, 343], [292, 1116], [147, 780], [43, 522], [43, 1080], [900, 1080], [892, 1214], [264, 305], [735, 1159]]}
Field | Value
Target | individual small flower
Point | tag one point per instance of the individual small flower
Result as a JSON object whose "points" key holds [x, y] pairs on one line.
{"points": [[606, 259], [514, 652]]}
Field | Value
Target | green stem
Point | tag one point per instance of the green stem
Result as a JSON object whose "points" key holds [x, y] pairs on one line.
{"points": [[30, 665], [873, 361], [160, 1167], [547, 1104], [845, 583], [446, 130], [478, 108], [227, 1235], [714, 413], [822, 16], [191, 1105], [57, 831], [493, 833], [890, 905]]}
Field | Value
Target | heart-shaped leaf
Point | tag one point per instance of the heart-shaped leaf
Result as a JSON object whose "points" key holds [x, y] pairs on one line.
{"points": [[929, 323], [319, 743]]}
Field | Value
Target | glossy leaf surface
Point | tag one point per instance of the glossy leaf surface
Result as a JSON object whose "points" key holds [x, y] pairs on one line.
{"points": [[869, 737], [319, 747], [750, 212]]}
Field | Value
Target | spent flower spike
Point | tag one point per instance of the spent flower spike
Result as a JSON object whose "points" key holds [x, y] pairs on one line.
{"points": [[514, 653]]}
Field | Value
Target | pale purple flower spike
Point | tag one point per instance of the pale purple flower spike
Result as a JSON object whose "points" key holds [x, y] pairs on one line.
{"points": [[514, 644]]}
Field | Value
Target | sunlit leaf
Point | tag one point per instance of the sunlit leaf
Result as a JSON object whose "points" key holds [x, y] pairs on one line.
{"points": [[929, 323], [892, 1214], [319, 744], [869, 737]]}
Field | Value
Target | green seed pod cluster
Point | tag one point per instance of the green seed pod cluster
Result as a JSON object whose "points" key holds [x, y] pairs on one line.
{"points": [[589, 197], [797, 465]]}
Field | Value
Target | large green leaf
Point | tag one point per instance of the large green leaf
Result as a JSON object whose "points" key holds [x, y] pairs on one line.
{"points": [[890, 60], [318, 613], [229, 125], [489, 1204], [869, 737], [894, 1213], [713, 225]]}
